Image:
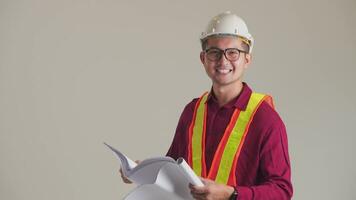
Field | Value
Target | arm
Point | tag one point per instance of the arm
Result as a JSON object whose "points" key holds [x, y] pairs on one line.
{"points": [[273, 181], [179, 144], [274, 171]]}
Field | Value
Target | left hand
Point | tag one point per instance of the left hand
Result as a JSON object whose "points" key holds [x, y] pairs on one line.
{"points": [[211, 191]]}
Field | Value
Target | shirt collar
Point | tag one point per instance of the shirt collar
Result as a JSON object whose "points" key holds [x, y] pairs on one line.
{"points": [[239, 102]]}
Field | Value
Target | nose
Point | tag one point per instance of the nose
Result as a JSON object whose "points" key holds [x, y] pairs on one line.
{"points": [[223, 60]]}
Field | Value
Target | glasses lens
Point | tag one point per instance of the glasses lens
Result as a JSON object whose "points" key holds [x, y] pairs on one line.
{"points": [[232, 54], [214, 54]]}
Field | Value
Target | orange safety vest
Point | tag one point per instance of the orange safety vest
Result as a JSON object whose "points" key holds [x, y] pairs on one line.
{"points": [[224, 163]]}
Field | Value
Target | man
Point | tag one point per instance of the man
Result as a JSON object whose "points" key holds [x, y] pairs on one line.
{"points": [[232, 137]]}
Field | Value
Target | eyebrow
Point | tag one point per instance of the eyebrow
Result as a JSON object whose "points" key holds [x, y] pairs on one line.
{"points": [[213, 47]]}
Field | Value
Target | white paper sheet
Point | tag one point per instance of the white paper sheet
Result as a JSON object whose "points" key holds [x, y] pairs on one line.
{"points": [[158, 178]]}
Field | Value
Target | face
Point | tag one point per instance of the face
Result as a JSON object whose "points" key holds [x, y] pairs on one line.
{"points": [[224, 72]]}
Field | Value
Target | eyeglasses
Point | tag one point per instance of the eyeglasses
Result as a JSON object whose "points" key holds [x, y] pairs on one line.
{"points": [[231, 54]]}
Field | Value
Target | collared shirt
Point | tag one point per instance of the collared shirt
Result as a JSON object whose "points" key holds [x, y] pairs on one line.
{"points": [[263, 168]]}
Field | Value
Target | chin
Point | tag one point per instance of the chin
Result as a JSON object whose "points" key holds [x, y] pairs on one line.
{"points": [[225, 82]]}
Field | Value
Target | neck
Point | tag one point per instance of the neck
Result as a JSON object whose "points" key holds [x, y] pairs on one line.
{"points": [[225, 94]]}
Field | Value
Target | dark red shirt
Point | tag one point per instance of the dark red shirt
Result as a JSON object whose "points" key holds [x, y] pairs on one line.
{"points": [[263, 168]]}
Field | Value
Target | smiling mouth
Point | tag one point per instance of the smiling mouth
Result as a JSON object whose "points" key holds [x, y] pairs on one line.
{"points": [[223, 71]]}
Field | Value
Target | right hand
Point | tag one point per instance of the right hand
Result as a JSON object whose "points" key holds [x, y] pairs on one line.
{"points": [[124, 178]]}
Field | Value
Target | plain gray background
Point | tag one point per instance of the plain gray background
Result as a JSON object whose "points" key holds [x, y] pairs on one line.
{"points": [[74, 74]]}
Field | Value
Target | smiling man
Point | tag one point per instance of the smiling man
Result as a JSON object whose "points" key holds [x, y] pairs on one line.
{"points": [[231, 136]]}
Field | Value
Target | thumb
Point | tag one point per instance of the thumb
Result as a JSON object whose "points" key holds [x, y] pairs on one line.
{"points": [[206, 181]]}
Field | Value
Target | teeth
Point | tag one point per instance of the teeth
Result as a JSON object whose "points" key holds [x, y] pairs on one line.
{"points": [[224, 71]]}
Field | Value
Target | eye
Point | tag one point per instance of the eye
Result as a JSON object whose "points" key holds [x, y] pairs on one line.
{"points": [[213, 54], [232, 53]]}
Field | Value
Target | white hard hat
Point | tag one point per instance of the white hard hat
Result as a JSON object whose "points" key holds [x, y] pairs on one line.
{"points": [[227, 23]]}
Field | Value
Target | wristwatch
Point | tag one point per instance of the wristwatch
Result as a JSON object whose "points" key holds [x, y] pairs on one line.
{"points": [[234, 195]]}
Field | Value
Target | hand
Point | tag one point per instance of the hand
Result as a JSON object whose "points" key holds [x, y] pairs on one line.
{"points": [[124, 178], [211, 191]]}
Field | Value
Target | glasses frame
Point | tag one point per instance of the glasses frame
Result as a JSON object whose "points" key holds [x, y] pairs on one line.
{"points": [[223, 51]]}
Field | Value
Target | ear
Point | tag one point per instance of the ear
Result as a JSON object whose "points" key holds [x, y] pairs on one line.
{"points": [[202, 57], [248, 58]]}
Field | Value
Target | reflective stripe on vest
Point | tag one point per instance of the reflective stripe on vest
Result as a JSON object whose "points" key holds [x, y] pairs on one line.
{"points": [[224, 162]]}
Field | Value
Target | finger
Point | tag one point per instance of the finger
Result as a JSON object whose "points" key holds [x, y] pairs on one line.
{"points": [[206, 181], [198, 196], [124, 178], [198, 189]]}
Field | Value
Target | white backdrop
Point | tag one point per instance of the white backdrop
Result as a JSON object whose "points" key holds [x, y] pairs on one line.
{"points": [[74, 74]]}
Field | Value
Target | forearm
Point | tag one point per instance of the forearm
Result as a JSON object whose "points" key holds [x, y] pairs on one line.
{"points": [[265, 192], [274, 177]]}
